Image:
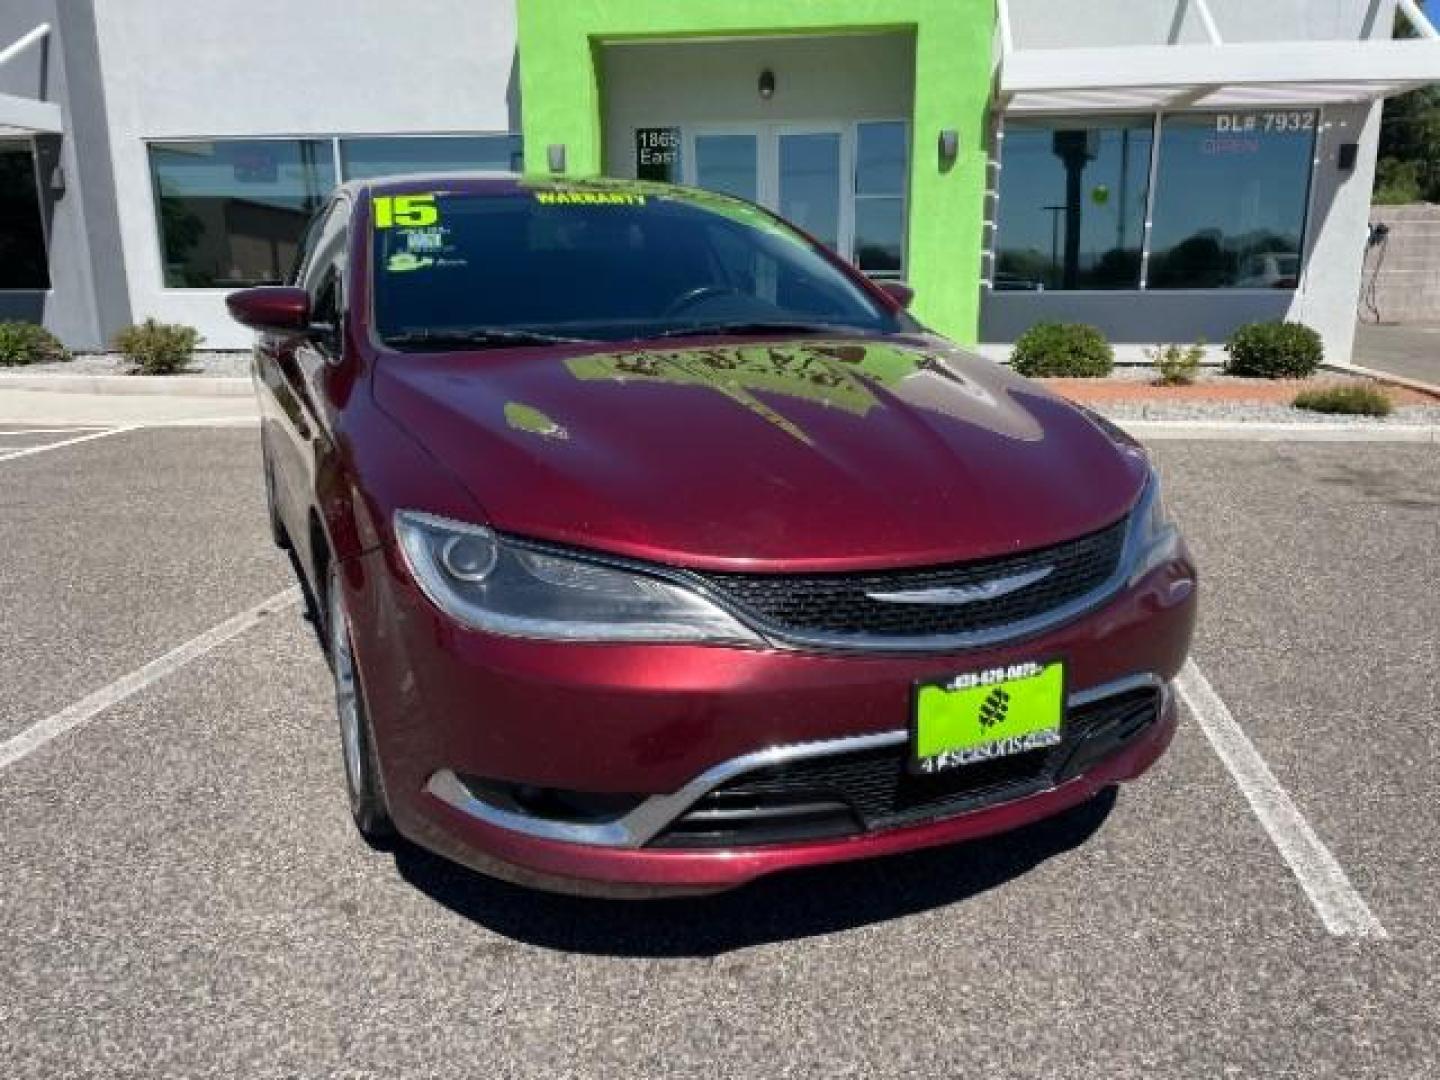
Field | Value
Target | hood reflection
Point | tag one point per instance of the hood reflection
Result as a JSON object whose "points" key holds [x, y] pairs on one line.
{"points": [[852, 376]]}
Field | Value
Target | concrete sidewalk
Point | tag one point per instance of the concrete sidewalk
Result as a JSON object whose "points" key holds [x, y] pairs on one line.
{"points": [[19, 406], [128, 385], [1411, 350]]}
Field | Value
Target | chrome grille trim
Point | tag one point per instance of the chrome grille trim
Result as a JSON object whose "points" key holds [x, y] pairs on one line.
{"points": [[800, 638], [655, 814]]}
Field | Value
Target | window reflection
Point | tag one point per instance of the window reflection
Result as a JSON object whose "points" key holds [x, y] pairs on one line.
{"points": [[810, 183], [728, 164], [1072, 203], [364, 158], [1230, 199], [232, 213], [880, 168], [23, 264]]}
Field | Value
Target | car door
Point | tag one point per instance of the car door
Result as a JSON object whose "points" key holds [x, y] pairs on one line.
{"points": [[297, 365], [275, 399]]}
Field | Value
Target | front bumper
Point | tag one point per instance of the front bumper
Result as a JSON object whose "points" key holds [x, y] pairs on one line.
{"points": [[667, 723]]}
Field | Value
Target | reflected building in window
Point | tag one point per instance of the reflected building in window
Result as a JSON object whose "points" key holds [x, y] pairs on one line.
{"points": [[23, 260], [1227, 210], [1230, 200], [1072, 203]]}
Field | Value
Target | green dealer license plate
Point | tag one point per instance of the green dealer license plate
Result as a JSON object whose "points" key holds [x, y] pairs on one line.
{"points": [[987, 714]]}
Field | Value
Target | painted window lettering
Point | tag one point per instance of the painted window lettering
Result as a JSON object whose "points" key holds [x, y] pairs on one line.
{"points": [[589, 198], [412, 211], [1278, 122]]}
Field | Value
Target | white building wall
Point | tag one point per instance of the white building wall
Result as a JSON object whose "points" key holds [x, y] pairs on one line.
{"points": [[177, 69], [1338, 228], [1303, 20], [1075, 24]]}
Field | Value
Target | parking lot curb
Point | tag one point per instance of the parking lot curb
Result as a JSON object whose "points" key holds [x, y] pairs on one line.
{"points": [[1254, 431], [155, 385]]}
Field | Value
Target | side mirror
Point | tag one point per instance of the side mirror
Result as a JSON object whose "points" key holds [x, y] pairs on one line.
{"points": [[271, 307], [898, 291]]}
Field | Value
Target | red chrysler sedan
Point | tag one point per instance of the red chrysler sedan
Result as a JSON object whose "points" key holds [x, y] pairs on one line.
{"points": [[656, 549]]}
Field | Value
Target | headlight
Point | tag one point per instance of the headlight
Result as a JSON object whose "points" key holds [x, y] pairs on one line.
{"points": [[1154, 539], [479, 579]]}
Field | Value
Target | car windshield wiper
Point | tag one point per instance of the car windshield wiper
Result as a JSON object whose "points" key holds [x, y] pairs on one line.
{"points": [[477, 335], [742, 328]]}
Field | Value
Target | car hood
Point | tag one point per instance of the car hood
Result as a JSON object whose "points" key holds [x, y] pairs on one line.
{"points": [[803, 454]]}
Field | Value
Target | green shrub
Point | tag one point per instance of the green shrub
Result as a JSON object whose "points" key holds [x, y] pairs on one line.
{"points": [[25, 343], [1063, 349], [1397, 182], [157, 348], [1351, 400], [1274, 350], [1177, 365]]}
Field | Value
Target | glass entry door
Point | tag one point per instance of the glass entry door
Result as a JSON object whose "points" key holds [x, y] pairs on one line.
{"points": [[727, 162], [802, 172], [808, 183]]}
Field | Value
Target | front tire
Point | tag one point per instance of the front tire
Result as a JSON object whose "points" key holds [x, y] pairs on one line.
{"points": [[357, 736]]}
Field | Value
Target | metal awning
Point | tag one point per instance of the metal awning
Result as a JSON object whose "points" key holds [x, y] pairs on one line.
{"points": [[22, 115], [1214, 74], [26, 116]]}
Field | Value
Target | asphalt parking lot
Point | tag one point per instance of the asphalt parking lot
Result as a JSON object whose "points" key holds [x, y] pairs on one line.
{"points": [[183, 894]]}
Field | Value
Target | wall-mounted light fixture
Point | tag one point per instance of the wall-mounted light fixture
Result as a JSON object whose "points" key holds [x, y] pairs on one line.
{"points": [[767, 84], [57, 181], [555, 157], [949, 147]]}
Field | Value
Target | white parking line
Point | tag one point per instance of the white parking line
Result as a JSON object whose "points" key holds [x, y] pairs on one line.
{"points": [[13, 454], [1342, 909], [52, 727], [52, 430]]}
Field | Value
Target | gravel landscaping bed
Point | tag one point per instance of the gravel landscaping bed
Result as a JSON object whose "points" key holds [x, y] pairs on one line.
{"points": [[1232, 411], [215, 365], [1216, 397]]}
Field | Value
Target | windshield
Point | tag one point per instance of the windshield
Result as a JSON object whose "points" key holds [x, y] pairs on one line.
{"points": [[608, 264]]}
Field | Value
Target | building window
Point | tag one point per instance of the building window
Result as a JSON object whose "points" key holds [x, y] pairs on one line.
{"points": [[1072, 203], [1230, 200], [232, 212], [881, 159], [361, 158], [23, 264]]}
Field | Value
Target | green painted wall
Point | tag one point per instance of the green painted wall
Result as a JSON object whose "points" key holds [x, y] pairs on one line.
{"points": [[561, 103]]}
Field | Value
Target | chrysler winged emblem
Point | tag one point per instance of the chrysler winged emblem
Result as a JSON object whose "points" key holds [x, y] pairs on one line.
{"points": [[966, 594]]}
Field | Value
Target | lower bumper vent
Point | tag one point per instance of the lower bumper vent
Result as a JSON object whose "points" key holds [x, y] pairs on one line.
{"points": [[851, 793]]}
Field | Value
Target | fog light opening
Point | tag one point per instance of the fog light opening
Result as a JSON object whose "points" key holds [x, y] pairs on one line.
{"points": [[553, 804]]}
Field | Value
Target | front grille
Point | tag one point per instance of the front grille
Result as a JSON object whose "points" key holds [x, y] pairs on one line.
{"points": [[837, 604], [850, 793]]}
